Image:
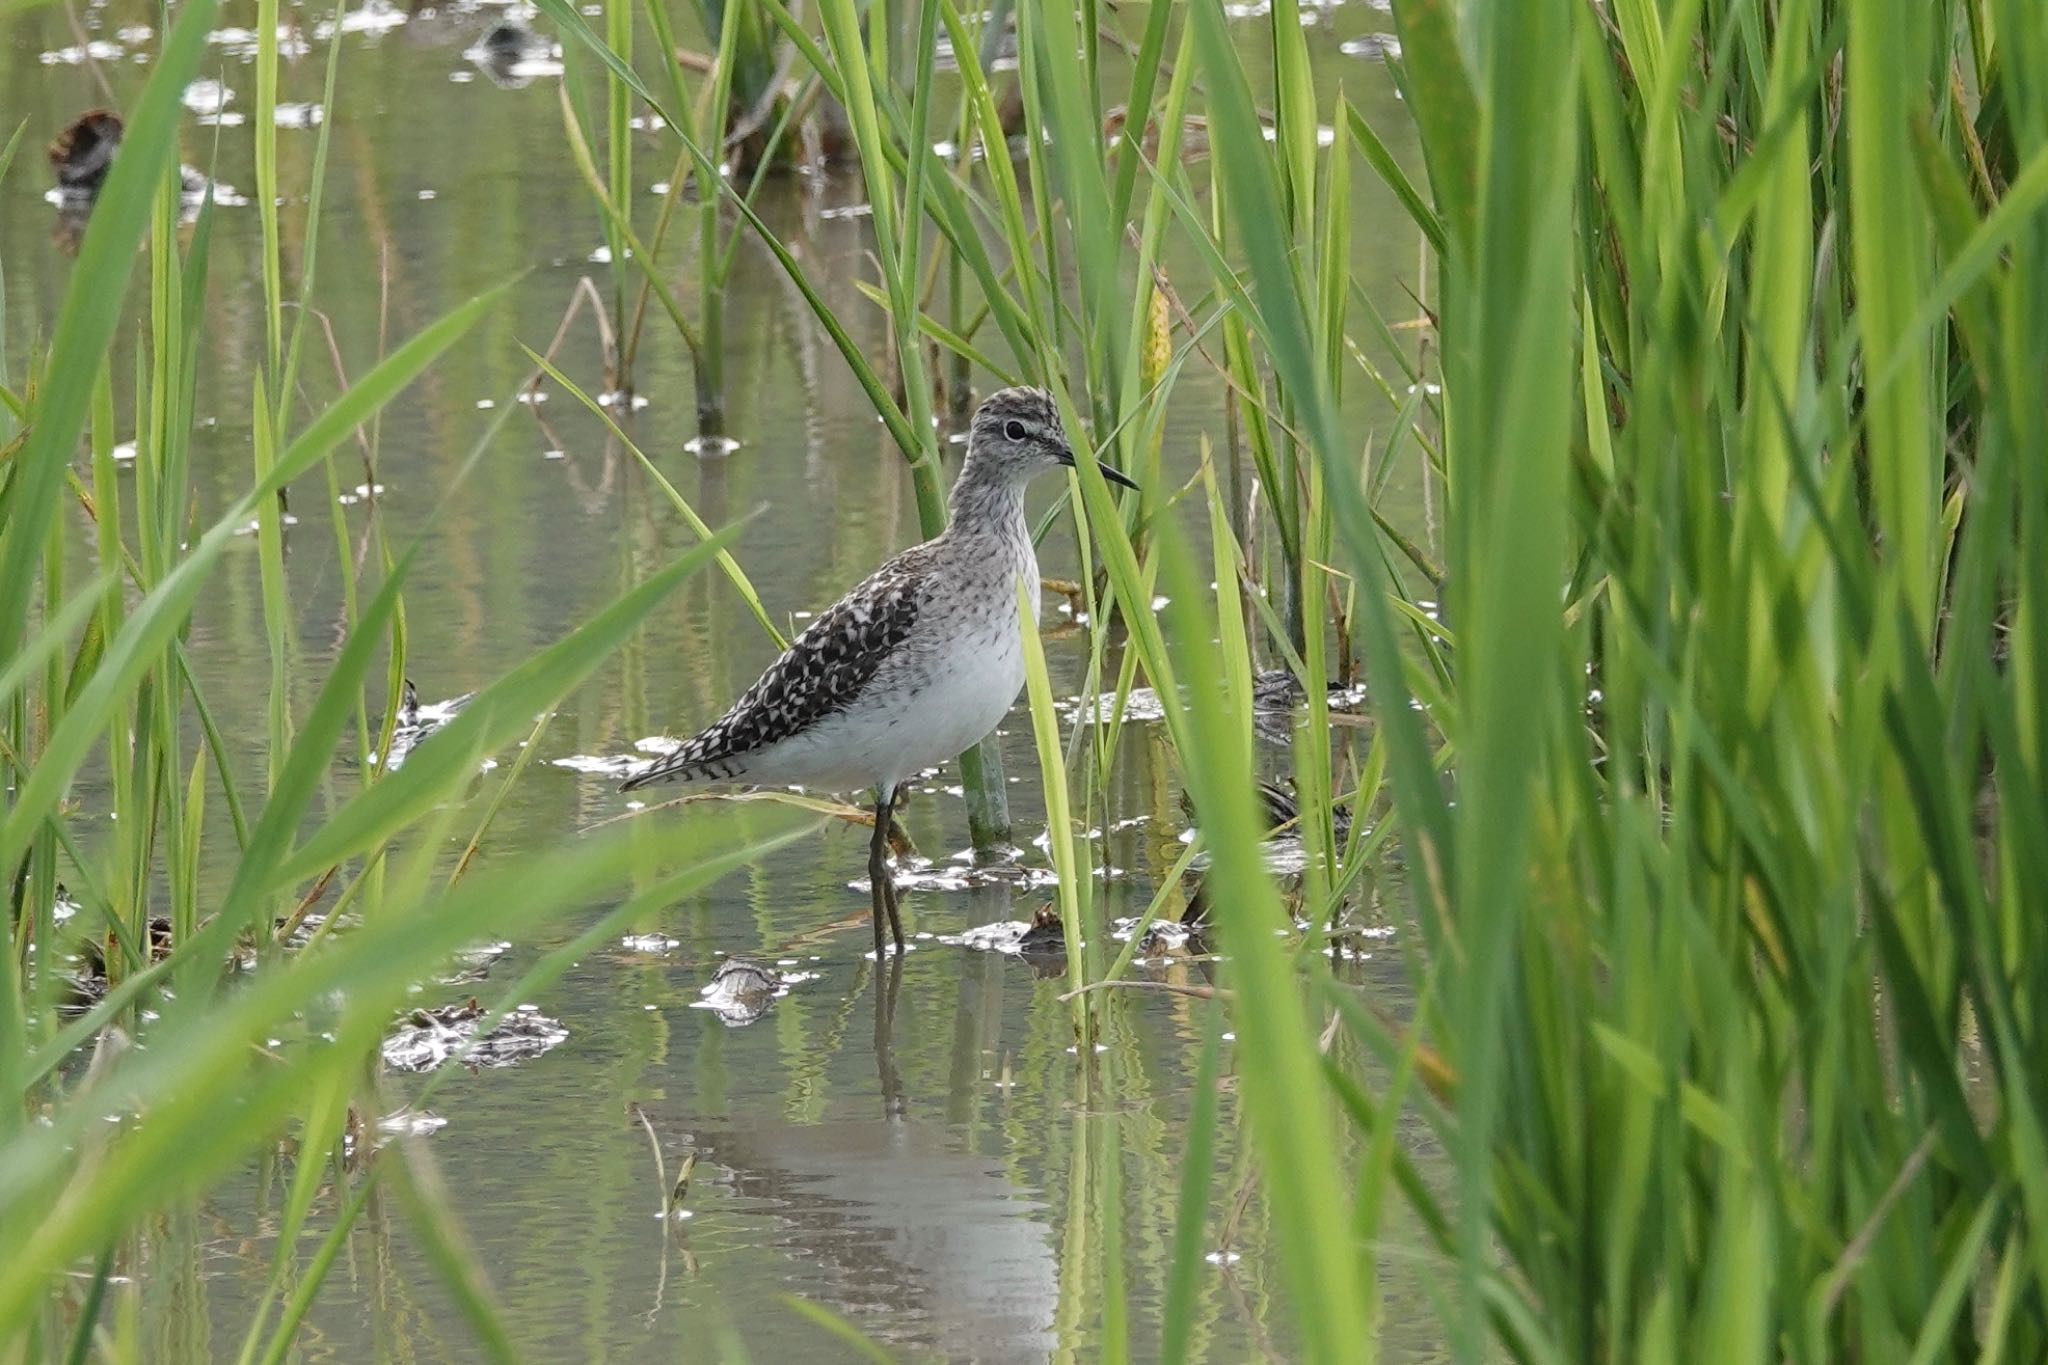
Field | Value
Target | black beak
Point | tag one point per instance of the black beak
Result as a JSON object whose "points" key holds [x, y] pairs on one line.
{"points": [[1115, 476]]}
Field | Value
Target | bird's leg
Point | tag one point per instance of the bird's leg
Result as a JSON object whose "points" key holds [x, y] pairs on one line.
{"points": [[889, 881], [881, 889], [895, 920]]}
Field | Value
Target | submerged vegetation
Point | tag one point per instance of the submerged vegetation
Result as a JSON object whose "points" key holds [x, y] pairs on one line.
{"points": [[1702, 757]]}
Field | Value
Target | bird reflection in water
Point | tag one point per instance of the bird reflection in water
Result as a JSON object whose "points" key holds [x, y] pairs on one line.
{"points": [[888, 982]]}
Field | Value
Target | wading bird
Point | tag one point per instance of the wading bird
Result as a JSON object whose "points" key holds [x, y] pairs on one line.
{"points": [[915, 665]]}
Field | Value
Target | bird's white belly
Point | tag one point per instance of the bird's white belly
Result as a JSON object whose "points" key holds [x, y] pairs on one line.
{"points": [[900, 728], [968, 695], [945, 688]]}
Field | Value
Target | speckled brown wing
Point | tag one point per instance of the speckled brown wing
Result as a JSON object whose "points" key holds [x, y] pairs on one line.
{"points": [[824, 671]]}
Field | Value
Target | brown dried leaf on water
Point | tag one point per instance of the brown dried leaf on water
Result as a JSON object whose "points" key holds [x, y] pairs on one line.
{"points": [[682, 1188]]}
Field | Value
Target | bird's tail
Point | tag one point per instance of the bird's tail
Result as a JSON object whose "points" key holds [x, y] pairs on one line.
{"points": [[682, 766]]}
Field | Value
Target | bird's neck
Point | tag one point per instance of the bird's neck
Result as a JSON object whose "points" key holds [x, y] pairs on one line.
{"points": [[985, 501]]}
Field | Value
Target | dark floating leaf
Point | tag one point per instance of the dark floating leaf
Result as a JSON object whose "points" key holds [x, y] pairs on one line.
{"points": [[511, 55], [82, 153]]}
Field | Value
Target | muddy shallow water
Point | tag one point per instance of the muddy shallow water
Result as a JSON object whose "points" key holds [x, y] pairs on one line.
{"points": [[950, 1192]]}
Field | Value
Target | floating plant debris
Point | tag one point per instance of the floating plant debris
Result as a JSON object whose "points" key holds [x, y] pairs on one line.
{"points": [[1093, 833], [1372, 45], [194, 188], [429, 1037], [919, 874], [373, 18], [1041, 935], [1326, 136], [255, 524], [1163, 936], [243, 44], [598, 765], [473, 964], [417, 720], [1275, 693], [1140, 704], [1307, 13], [1281, 808], [1352, 942], [401, 1123], [98, 50], [87, 986], [618, 765], [650, 943], [207, 96], [743, 990], [411, 1123]]}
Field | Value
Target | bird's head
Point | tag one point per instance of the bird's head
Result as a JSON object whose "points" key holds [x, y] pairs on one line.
{"points": [[1017, 434]]}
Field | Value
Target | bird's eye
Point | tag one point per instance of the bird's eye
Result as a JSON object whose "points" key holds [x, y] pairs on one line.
{"points": [[1014, 430]]}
